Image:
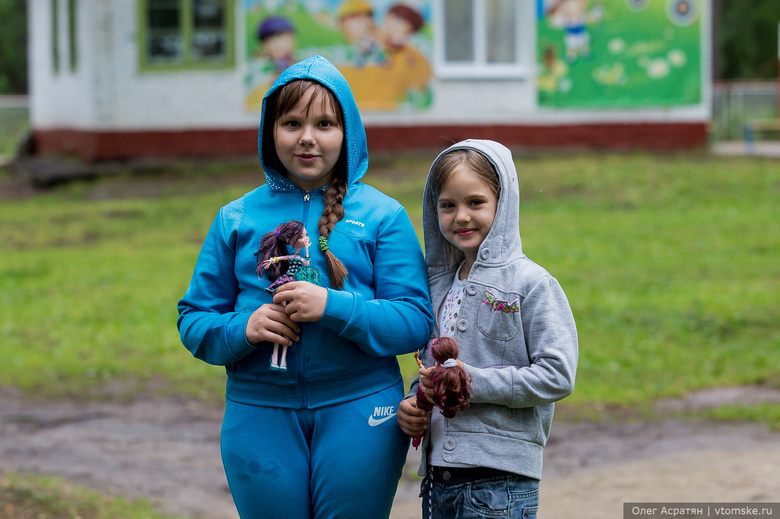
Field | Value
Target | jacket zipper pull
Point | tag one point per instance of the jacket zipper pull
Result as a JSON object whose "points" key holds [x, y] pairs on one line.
{"points": [[306, 196]]}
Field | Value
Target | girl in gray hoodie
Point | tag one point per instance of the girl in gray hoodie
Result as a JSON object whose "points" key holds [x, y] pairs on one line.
{"points": [[517, 339]]}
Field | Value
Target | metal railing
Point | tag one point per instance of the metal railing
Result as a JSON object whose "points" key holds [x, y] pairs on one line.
{"points": [[735, 104], [14, 123]]}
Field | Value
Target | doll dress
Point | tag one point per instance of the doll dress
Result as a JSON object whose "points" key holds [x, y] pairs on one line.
{"points": [[294, 264]]}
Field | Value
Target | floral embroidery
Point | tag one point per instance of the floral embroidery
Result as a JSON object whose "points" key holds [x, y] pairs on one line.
{"points": [[501, 306]]}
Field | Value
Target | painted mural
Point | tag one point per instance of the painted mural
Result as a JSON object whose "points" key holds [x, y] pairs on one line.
{"points": [[383, 48], [619, 53]]}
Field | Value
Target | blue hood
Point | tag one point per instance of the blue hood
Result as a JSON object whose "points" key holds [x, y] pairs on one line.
{"points": [[322, 71]]}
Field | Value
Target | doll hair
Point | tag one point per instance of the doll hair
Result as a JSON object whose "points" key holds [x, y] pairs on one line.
{"points": [[281, 102], [452, 385], [275, 243], [443, 169]]}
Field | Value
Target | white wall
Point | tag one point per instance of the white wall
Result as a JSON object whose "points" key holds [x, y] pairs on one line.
{"points": [[62, 99], [514, 102], [108, 91], [172, 99]]}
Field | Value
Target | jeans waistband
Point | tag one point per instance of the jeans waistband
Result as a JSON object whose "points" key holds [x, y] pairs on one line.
{"points": [[457, 475]]}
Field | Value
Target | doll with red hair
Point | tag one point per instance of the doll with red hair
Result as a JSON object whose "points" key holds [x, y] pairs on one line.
{"points": [[450, 382]]}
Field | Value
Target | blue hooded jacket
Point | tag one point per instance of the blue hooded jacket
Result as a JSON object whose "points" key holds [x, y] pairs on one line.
{"points": [[383, 310]]}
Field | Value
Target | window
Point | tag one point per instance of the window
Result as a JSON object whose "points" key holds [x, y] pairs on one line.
{"points": [[56, 55], [186, 33], [480, 38]]}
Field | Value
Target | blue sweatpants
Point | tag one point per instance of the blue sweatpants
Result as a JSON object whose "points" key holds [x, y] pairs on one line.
{"points": [[341, 461]]}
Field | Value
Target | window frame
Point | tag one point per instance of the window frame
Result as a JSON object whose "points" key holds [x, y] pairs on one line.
{"points": [[186, 29], [72, 40], [54, 5], [479, 68]]}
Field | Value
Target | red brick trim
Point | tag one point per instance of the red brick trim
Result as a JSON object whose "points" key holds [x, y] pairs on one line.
{"points": [[608, 136], [96, 146]]}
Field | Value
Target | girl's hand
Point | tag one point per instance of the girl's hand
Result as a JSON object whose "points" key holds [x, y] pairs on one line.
{"points": [[412, 420], [271, 323], [304, 301], [426, 383]]}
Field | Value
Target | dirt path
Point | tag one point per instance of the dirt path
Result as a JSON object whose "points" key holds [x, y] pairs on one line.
{"points": [[168, 452]]}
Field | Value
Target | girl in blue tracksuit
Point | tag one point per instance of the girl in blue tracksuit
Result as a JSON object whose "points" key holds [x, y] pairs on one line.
{"points": [[319, 438]]}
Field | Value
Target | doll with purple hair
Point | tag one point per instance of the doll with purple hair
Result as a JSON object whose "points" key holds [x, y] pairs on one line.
{"points": [[280, 267]]}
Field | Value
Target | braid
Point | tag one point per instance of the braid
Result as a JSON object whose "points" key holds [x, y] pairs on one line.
{"points": [[332, 213]]}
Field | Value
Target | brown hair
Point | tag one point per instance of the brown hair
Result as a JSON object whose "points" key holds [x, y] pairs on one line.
{"points": [[451, 386], [445, 167], [332, 213], [278, 104], [409, 14]]}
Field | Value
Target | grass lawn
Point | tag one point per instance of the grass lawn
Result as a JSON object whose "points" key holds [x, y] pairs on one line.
{"points": [[24, 496], [670, 263]]}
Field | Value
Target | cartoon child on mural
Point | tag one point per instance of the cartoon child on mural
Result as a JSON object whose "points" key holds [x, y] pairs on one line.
{"points": [[397, 75], [552, 73], [401, 22], [356, 21], [381, 48], [573, 17], [276, 36]]}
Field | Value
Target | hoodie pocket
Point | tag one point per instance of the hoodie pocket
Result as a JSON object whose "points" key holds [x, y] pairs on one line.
{"points": [[491, 418], [498, 316]]}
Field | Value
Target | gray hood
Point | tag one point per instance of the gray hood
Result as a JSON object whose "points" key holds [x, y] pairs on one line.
{"points": [[503, 240]]}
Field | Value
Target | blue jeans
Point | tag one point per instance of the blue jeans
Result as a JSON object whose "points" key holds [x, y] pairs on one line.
{"points": [[509, 496]]}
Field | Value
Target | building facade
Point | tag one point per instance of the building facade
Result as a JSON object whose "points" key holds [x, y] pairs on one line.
{"points": [[116, 79]]}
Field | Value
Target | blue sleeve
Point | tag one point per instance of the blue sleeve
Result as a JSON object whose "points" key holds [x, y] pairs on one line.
{"points": [[399, 320], [208, 324]]}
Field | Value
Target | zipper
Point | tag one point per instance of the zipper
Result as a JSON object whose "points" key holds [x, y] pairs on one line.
{"points": [[299, 358], [306, 200]]}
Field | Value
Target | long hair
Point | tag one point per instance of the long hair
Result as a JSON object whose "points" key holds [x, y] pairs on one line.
{"points": [[445, 167], [275, 243], [332, 213], [281, 102], [452, 386]]}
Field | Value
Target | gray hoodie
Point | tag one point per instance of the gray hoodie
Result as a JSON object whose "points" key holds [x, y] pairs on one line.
{"points": [[521, 361]]}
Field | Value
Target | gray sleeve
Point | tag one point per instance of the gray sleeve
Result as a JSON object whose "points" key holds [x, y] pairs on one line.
{"points": [[550, 336]]}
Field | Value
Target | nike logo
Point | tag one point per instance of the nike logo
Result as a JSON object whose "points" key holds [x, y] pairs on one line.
{"points": [[383, 414]]}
